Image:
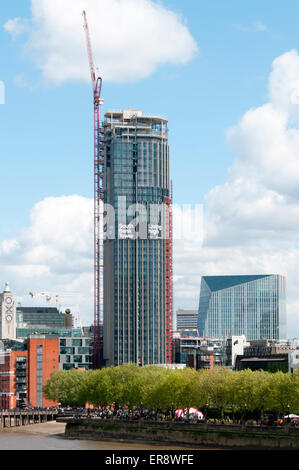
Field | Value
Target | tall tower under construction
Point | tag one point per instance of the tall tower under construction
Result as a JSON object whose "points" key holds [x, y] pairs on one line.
{"points": [[137, 239]]}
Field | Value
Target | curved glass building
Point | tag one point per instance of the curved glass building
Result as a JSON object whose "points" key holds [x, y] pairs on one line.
{"points": [[254, 306], [137, 255]]}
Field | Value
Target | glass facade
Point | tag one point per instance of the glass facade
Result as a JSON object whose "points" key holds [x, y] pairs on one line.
{"points": [[25, 332], [136, 173], [254, 306], [47, 316], [75, 353]]}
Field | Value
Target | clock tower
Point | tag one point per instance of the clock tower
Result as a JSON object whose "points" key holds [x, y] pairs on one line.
{"points": [[8, 323]]}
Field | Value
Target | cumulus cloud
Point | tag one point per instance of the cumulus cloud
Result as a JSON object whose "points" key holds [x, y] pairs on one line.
{"points": [[284, 83], [252, 221], [131, 38], [54, 253]]}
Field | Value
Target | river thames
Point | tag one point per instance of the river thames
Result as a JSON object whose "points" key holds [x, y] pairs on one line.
{"points": [[50, 436]]}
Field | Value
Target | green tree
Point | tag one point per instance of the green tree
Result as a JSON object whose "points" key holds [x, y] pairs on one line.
{"points": [[126, 385], [63, 386], [217, 385], [284, 392], [96, 388]]}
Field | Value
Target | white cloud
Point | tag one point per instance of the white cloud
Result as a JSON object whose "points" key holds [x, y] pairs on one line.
{"points": [[16, 27], [260, 26], [284, 83], [254, 27], [131, 38], [54, 253], [252, 221]]}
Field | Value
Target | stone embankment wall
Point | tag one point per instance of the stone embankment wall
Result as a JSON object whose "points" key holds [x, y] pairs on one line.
{"points": [[224, 436]]}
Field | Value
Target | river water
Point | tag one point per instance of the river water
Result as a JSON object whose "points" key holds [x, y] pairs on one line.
{"points": [[50, 436]]}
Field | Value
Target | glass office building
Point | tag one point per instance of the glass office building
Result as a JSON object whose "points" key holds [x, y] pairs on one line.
{"points": [[254, 306], [48, 316], [137, 256]]}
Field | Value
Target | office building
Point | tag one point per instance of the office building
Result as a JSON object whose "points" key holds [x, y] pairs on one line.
{"points": [[75, 353], [254, 306], [46, 316], [199, 353], [270, 355], [137, 256], [186, 322]]}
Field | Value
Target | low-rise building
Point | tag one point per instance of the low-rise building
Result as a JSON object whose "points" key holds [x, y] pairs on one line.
{"points": [[199, 353], [270, 355], [75, 352]]}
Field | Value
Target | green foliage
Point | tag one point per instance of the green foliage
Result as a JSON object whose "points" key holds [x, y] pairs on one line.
{"points": [[63, 386], [159, 388]]}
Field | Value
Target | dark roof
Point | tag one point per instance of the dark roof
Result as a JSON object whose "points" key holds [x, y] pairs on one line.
{"points": [[224, 282], [277, 357], [38, 310]]}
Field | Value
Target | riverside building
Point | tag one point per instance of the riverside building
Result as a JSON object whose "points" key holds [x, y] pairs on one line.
{"points": [[24, 369], [137, 256], [254, 306]]}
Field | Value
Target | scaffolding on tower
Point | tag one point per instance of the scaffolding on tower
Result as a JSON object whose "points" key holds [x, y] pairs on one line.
{"points": [[169, 276], [98, 202]]}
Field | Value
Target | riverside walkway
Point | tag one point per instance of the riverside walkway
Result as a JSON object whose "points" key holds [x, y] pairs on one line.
{"points": [[77, 418]]}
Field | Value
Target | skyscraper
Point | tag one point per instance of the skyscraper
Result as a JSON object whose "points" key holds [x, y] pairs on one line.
{"points": [[138, 239], [254, 306]]}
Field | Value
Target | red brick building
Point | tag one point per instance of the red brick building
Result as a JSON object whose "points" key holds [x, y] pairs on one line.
{"points": [[23, 373]]}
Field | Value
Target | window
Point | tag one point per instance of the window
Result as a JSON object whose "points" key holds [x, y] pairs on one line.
{"points": [[78, 359]]}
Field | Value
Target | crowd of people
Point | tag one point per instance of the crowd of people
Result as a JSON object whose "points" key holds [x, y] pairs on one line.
{"points": [[124, 414]]}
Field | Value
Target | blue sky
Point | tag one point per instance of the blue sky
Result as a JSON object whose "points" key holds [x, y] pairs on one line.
{"points": [[47, 129], [46, 132]]}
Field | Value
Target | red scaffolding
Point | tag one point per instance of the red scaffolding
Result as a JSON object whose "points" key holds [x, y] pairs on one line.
{"points": [[168, 279]]}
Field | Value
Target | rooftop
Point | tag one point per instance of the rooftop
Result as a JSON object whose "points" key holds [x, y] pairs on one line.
{"points": [[224, 282], [129, 114]]}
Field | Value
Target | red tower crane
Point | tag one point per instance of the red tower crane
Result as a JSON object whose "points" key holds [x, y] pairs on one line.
{"points": [[98, 201]]}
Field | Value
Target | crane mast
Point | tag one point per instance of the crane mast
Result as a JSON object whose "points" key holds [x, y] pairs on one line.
{"points": [[98, 202]]}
